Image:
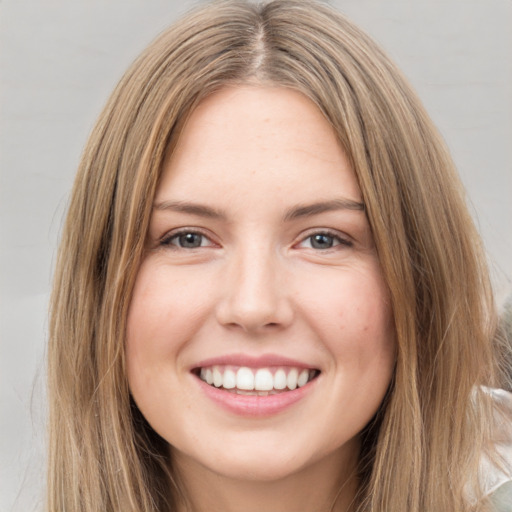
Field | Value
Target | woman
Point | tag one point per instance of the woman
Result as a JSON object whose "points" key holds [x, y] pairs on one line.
{"points": [[259, 301]]}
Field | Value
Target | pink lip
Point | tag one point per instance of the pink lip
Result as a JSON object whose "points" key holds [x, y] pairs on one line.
{"points": [[262, 361], [253, 405]]}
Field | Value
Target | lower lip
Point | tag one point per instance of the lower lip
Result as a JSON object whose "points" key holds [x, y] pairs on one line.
{"points": [[255, 405]]}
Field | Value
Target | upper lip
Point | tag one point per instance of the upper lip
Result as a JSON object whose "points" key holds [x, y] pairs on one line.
{"points": [[250, 361]]}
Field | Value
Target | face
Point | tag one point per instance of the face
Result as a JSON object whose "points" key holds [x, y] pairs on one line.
{"points": [[260, 327]]}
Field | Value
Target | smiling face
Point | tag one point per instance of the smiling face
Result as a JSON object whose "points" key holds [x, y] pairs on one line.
{"points": [[260, 337]]}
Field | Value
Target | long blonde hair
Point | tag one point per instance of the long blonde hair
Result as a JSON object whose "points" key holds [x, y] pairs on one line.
{"points": [[423, 449]]}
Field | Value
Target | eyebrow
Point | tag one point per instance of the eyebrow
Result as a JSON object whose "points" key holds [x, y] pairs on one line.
{"points": [[292, 214], [323, 206], [191, 208]]}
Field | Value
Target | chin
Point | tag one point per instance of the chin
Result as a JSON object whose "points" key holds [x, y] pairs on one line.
{"points": [[257, 469]]}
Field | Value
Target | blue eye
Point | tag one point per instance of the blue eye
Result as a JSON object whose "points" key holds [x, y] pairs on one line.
{"points": [[323, 241], [187, 240]]}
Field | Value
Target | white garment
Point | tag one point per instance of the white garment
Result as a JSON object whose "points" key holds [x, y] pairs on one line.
{"points": [[493, 476], [502, 498]]}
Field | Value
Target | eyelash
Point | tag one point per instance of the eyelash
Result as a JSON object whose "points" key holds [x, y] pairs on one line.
{"points": [[337, 240]]}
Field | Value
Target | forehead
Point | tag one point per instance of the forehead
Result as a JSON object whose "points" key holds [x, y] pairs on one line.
{"points": [[257, 140]]}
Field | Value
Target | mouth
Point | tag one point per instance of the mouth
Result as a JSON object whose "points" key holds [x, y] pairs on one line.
{"points": [[264, 381]]}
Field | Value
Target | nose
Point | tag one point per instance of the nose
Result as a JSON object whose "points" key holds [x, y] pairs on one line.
{"points": [[255, 297]]}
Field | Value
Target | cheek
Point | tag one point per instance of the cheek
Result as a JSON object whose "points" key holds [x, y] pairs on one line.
{"points": [[352, 315], [349, 303], [161, 320], [367, 332], [147, 317], [150, 340], [164, 310]]}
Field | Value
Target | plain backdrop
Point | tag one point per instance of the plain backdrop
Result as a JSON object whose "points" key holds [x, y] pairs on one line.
{"points": [[59, 60]]}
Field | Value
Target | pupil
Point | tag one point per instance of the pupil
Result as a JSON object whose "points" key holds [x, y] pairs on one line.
{"points": [[322, 241], [190, 240]]}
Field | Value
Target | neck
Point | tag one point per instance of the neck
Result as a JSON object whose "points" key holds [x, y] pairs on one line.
{"points": [[321, 487]]}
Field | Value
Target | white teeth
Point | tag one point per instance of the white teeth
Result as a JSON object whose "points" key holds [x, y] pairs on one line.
{"points": [[291, 380], [303, 378], [229, 379], [280, 379], [217, 377], [245, 379], [262, 381]]}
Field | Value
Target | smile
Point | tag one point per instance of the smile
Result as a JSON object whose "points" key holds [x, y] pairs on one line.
{"points": [[256, 381]]}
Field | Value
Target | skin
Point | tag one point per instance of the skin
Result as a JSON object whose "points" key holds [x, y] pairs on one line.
{"points": [[257, 284]]}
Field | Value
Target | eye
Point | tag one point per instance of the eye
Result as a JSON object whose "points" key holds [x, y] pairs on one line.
{"points": [[186, 240], [323, 241]]}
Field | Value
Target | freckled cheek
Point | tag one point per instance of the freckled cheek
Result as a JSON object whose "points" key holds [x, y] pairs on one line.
{"points": [[364, 351], [356, 312], [376, 345], [356, 319]]}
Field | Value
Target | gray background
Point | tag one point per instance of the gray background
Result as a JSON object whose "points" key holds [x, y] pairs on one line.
{"points": [[59, 61]]}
